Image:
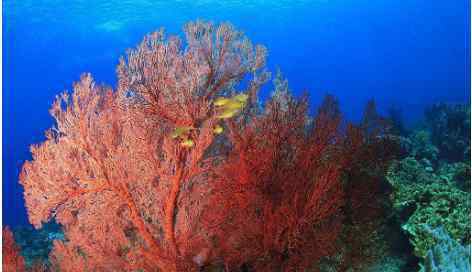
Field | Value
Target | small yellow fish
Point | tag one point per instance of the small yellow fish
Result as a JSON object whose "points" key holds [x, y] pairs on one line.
{"points": [[228, 113], [241, 97], [221, 101], [180, 131], [234, 105], [218, 129], [187, 143], [230, 106]]}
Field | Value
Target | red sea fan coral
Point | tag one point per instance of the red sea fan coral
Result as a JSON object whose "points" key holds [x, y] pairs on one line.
{"points": [[368, 149], [277, 199], [11, 257], [178, 169], [110, 172]]}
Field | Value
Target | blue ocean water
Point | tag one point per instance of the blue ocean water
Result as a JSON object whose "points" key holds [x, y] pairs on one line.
{"points": [[406, 54]]}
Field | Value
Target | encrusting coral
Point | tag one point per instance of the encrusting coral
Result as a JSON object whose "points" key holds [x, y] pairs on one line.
{"points": [[422, 197], [180, 168]]}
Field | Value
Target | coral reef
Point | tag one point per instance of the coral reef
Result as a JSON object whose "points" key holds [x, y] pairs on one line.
{"points": [[450, 130], [447, 255], [180, 169], [387, 264], [457, 173], [422, 197], [431, 186], [410, 171], [421, 146], [446, 206]]}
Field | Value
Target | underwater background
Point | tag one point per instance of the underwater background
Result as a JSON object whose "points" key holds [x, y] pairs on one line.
{"points": [[405, 55]]}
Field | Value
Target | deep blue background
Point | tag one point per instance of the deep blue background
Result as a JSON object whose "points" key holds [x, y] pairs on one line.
{"points": [[404, 53]]}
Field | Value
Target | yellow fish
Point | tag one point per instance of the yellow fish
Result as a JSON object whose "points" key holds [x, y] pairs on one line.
{"points": [[187, 143], [180, 131], [228, 113], [221, 101], [218, 129], [241, 97], [233, 105], [230, 106]]}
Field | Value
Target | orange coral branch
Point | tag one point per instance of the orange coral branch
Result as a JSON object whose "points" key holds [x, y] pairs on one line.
{"points": [[169, 230]]}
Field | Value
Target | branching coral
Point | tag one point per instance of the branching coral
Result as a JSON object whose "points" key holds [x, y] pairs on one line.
{"points": [[367, 152], [286, 181], [180, 168], [110, 168]]}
